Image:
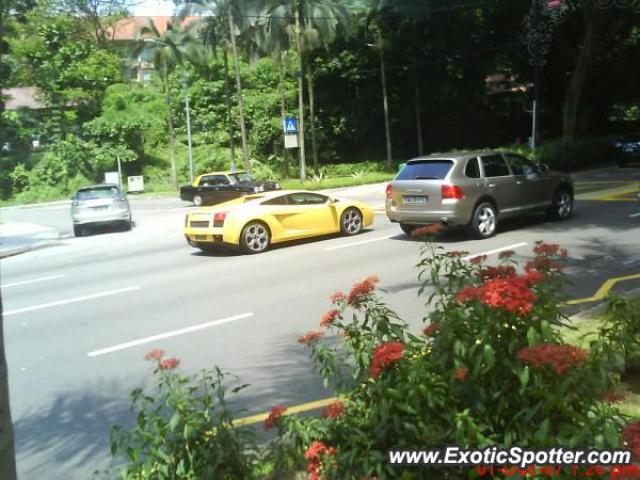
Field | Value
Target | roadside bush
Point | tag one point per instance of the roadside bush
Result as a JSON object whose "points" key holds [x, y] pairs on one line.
{"points": [[489, 369], [582, 153], [621, 329], [19, 178], [184, 429]]}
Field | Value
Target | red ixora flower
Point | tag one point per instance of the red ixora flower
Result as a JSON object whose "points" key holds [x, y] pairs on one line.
{"points": [[631, 438], [338, 297], [274, 416], [314, 454], [558, 357], [310, 338], [512, 294], [456, 253], [542, 264], [478, 260], [427, 230], [501, 271], [431, 329], [506, 254], [169, 364], [542, 248], [155, 354], [384, 355], [460, 374], [328, 318], [334, 410], [361, 290]]}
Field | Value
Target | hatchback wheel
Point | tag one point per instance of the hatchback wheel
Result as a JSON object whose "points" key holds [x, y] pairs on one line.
{"points": [[561, 206], [255, 237], [351, 221], [78, 230], [484, 221]]}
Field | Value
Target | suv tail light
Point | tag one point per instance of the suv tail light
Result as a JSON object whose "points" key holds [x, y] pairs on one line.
{"points": [[218, 218], [452, 191], [389, 190]]}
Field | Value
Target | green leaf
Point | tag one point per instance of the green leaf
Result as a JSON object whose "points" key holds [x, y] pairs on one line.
{"points": [[524, 377], [175, 420]]}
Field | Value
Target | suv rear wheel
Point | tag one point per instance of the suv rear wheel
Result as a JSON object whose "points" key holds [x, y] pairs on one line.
{"points": [[561, 205], [484, 221], [408, 229]]}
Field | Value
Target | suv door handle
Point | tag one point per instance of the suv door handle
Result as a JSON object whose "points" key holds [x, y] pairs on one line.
{"points": [[491, 185]]}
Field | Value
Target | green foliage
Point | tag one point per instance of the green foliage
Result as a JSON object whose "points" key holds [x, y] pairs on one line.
{"points": [[184, 430], [580, 154], [20, 178], [621, 328], [466, 380]]}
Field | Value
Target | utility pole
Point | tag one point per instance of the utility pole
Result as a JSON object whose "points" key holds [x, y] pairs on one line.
{"points": [[387, 128], [535, 54], [300, 74]]}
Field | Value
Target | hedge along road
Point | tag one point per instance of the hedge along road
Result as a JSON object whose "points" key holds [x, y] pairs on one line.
{"points": [[120, 294]]}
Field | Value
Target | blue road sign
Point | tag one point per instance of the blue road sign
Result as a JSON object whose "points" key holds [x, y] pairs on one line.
{"points": [[290, 125]]}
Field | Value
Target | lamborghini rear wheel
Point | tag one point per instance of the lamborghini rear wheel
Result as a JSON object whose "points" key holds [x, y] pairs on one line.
{"points": [[351, 221], [255, 237]]}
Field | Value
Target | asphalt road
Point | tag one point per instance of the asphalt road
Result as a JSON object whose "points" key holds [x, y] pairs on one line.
{"points": [[79, 314]]}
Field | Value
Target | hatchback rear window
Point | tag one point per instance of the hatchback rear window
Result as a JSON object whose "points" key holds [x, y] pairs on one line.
{"points": [[97, 193], [425, 170]]}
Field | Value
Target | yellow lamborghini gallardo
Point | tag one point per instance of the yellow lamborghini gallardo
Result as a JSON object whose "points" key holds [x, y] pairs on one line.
{"points": [[256, 221]]}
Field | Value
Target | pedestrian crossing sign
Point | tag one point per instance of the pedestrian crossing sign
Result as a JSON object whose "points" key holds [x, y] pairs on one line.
{"points": [[290, 125]]}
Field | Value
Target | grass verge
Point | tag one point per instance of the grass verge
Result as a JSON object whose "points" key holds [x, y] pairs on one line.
{"points": [[336, 182]]}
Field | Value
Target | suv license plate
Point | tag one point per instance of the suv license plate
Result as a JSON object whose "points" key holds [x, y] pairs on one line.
{"points": [[414, 199]]}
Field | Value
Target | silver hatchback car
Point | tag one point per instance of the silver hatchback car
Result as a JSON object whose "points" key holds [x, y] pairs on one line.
{"points": [[475, 189], [99, 205]]}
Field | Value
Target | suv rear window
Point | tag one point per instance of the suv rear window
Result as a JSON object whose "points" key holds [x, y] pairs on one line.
{"points": [[425, 170]]}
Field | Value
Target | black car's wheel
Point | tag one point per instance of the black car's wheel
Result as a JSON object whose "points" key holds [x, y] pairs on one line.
{"points": [[126, 225], [78, 230], [484, 221], [351, 221], [561, 205], [255, 237], [408, 229], [197, 200]]}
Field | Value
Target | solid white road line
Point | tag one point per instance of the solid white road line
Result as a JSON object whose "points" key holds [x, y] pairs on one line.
{"points": [[496, 250], [26, 282], [633, 215], [174, 333], [71, 300], [355, 244]]}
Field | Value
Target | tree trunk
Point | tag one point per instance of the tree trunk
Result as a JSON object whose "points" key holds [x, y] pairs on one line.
{"points": [[283, 114], [300, 74], [172, 133], [312, 117], [387, 128], [573, 96], [418, 113], [7, 451], [243, 129], [227, 95]]}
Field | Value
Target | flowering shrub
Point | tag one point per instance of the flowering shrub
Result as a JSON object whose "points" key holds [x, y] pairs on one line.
{"points": [[621, 329], [184, 430], [488, 369]]}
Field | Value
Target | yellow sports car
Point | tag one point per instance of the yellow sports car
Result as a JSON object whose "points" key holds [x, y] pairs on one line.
{"points": [[256, 221]]}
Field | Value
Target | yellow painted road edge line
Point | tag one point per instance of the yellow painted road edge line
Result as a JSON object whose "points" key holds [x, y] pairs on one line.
{"points": [[305, 407], [604, 289]]}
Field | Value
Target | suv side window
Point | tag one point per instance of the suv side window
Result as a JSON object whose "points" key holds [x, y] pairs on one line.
{"points": [[495, 166], [472, 170], [522, 166]]}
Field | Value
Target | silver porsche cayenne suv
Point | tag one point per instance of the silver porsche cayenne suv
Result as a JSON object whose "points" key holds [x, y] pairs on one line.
{"points": [[476, 190]]}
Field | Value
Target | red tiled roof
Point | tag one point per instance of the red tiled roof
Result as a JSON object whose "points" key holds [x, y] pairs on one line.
{"points": [[127, 28]]}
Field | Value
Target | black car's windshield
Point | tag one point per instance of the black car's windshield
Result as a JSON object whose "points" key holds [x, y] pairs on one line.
{"points": [[425, 170], [103, 192], [241, 177]]}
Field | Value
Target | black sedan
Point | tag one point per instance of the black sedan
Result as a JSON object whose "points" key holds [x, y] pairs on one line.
{"points": [[218, 187]]}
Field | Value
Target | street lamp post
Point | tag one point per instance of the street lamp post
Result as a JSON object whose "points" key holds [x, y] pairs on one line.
{"points": [[188, 117]]}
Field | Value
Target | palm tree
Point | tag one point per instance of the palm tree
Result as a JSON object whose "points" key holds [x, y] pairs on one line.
{"points": [[220, 23], [168, 51], [309, 25]]}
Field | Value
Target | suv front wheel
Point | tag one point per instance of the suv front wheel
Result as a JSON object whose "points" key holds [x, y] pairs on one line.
{"points": [[484, 221]]}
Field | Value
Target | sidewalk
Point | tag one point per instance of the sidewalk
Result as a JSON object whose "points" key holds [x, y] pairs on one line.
{"points": [[20, 237]]}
